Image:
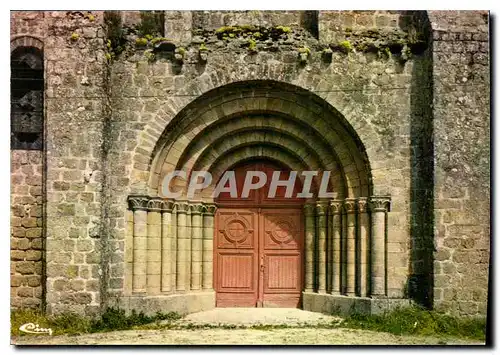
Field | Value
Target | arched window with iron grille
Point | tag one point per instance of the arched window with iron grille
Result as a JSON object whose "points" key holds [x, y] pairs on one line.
{"points": [[26, 98]]}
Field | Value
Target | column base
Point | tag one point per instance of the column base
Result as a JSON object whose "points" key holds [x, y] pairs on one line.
{"points": [[185, 303], [345, 305]]}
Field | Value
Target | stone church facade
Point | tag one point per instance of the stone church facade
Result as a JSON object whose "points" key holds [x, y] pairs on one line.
{"points": [[394, 103]]}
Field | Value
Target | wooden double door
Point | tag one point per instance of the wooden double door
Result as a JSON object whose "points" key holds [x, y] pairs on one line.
{"points": [[258, 245]]}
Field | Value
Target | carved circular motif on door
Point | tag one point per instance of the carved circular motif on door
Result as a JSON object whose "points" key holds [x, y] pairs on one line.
{"points": [[283, 232], [236, 230]]}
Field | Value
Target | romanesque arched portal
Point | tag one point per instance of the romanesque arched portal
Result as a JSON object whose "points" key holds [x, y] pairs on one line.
{"points": [[345, 235]]}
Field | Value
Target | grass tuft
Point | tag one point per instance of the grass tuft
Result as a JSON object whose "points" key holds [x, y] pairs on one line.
{"points": [[418, 321]]}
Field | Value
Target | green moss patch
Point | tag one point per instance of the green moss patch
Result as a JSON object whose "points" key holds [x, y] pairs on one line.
{"points": [[256, 32]]}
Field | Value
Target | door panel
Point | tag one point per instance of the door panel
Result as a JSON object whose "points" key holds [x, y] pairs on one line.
{"points": [[258, 258], [281, 229], [236, 258], [281, 273], [237, 229], [281, 241]]}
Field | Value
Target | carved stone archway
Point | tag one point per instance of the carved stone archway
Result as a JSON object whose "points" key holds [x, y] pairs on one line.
{"points": [[170, 242]]}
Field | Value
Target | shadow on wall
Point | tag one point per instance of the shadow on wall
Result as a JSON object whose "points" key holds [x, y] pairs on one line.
{"points": [[309, 20], [421, 280]]}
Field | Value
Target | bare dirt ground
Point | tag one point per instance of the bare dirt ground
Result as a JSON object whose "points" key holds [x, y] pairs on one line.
{"points": [[291, 336], [252, 316], [243, 317]]}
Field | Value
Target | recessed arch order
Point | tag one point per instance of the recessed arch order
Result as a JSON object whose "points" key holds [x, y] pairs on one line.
{"points": [[264, 119]]}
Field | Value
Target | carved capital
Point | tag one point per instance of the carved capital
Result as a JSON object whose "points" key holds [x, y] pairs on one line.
{"points": [[167, 205], [138, 203], [322, 208], [155, 204], [182, 206], [350, 205], [362, 204], [196, 208], [309, 209], [335, 207], [209, 209], [380, 203]]}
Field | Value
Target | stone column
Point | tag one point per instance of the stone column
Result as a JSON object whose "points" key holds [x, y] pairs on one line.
{"points": [[188, 245], [378, 207], [173, 253], [139, 207], [166, 246], [208, 246], [350, 208], [364, 247], [182, 245], [336, 222], [309, 247], [321, 225], [154, 247], [196, 246], [343, 252], [129, 253]]}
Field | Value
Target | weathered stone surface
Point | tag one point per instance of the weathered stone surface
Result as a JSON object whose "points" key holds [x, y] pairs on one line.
{"points": [[422, 119]]}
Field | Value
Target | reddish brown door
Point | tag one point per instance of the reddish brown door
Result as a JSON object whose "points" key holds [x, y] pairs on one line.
{"points": [[258, 248], [237, 258]]}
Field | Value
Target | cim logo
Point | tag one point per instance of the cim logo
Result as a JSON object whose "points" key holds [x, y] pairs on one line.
{"points": [[33, 328]]}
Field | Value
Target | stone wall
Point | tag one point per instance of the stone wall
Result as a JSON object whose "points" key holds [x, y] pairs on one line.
{"points": [[26, 229], [74, 54], [212, 20], [76, 111], [333, 23], [461, 160], [26, 236], [106, 111]]}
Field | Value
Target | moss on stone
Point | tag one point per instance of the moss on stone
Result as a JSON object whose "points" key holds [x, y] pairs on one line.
{"points": [[346, 46], [305, 50], [75, 36], [114, 31], [230, 32], [252, 46], [284, 29], [90, 17], [141, 42], [383, 42], [406, 53], [150, 56], [387, 52]]}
